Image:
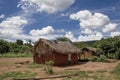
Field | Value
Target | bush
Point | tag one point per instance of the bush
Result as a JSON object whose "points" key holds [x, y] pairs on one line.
{"points": [[94, 59], [4, 47], [102, 58], [49, 65]]}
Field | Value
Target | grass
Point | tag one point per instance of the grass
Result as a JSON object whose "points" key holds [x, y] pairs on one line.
{"points": [[18, 66], [14, 55], [90, 75], [14, 74], [33, 65], [101, 71], [116, 72]]}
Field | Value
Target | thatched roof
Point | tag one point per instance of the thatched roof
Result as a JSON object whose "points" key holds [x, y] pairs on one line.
{"points": [[62, 47]]}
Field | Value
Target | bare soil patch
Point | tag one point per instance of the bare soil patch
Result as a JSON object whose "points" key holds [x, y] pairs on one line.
{"points": [[9, 65]]}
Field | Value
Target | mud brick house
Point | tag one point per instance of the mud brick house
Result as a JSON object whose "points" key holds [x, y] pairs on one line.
{"points": [[60, 52], [87, 52]]}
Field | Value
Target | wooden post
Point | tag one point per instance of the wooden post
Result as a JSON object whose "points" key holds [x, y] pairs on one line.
{"points": [[69, 57]]}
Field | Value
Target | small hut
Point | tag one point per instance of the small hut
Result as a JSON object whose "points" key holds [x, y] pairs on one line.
{"points": [[87, 52], [60, 52]]}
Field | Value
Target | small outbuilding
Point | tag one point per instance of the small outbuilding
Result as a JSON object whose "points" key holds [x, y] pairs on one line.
{"points": [[87, 52], [60, 52]]}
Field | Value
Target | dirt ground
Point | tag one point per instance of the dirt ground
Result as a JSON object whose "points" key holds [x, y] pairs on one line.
{"points": [[12, 64]]}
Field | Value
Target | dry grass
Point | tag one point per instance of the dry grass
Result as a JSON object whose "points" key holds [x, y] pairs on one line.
{"points": [[85, 71]]}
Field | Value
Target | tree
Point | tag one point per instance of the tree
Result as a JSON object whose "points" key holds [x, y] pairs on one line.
{"points": [[3, 46], [19, 42], [63, 39], [109, 46]]}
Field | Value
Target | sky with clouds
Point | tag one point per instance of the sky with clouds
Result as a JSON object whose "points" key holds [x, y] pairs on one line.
{"points": [[78, 20]]}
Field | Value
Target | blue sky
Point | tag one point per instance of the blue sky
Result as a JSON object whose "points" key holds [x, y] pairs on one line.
{"points": [[78, 20]]}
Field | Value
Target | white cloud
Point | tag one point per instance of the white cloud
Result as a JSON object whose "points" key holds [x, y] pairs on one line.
{"points": [[87, 31], [44, 31], [47, 32], [96, 36], [49, 37], [81, 15], [48, 6], [60, 30], [12, 27], [113, 34], [93, 24], [110, 27], [89, 20], [70, 36], [2, 16], [90, 37], [13, 22], [65, 14]]}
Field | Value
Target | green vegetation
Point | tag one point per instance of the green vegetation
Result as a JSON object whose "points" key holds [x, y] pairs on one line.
{"points": [[109, 47], [63, 39], [85, 75], [116, 71], [100, 58], [15, 49], [4, 47], [80, 44], [33, 65], [17, 75], [49, 66], [13, 55], [83, 44], [89, 75]]}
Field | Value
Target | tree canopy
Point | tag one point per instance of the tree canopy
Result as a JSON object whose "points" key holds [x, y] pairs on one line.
{"points": [[109, 47], [14, 47]]}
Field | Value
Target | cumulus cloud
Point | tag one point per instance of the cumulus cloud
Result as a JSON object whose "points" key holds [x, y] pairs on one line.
{"points": [[89, 20], [70, 36], [47, 6], [92, 25], [12, 27], [110, 27], [89, 37], [96, 36], [113, 34], [44, 31], [2, 16], [49, 37], [87, 31]]}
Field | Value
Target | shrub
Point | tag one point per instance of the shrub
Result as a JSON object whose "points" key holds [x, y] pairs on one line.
{"points": [[49, 65], [102, 58], [94, 59]]}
